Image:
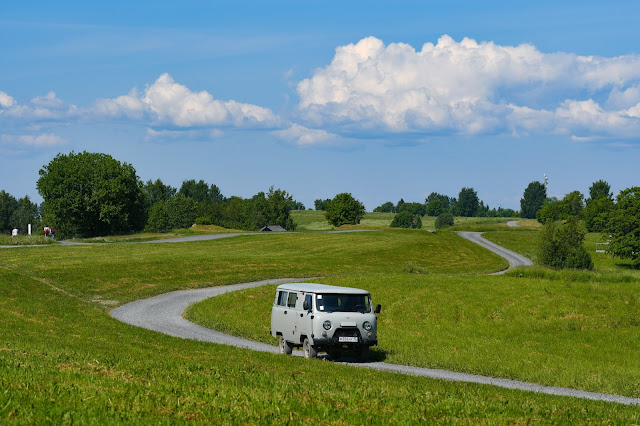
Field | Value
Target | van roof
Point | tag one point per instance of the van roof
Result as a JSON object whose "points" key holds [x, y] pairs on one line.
{"points": [[320, 288]]}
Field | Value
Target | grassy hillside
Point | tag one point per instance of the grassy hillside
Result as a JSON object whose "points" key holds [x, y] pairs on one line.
{"points": [[63, 359]]}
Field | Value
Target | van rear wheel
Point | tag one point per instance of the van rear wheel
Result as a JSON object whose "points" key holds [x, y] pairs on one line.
{"points": [[284, 346], [309, 350]]}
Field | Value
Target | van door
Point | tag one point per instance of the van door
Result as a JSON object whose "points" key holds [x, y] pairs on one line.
{"points": [[291, 318], [304, 317], [279, 314]]}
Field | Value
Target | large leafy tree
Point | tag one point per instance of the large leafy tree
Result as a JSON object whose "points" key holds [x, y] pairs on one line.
{"points": [[90, 194], [623, 226], [468, 203], [532, 200], [273, 209], [343, 209]]}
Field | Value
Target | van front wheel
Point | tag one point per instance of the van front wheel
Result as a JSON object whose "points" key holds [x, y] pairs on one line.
{"points": [[310, 351], [284, 346]]}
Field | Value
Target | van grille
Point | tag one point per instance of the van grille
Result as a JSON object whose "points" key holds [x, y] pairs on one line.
{"points": [[347, 332]]}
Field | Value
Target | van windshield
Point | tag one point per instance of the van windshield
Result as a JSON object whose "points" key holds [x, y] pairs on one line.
{"points": [[343, 303]]}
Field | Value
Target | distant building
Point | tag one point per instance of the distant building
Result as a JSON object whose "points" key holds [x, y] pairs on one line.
{"points": [[273, 228]]}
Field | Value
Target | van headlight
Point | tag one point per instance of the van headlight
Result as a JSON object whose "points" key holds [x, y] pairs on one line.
{"points": [[326, 325], [367, 325]]}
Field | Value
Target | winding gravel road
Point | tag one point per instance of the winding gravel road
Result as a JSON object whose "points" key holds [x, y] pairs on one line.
{"points": [[513, 258], [164, 314]]}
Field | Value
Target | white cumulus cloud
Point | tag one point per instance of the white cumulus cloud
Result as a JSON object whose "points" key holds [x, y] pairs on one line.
{"points": [[468, 87], [5, 100], [304, 136], [166, 102], [41, 140]]}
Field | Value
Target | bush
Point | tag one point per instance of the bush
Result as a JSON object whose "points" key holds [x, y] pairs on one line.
{"points": [[445, 219], [405, 219], [561, 246]]}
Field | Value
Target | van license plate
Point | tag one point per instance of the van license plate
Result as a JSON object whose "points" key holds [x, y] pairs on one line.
{"points": [[348, 339]]}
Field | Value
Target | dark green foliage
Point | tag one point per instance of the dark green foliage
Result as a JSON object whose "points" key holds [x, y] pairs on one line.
{"points": [[596, 212], [296, 205], [343, 209], [436, 204], [8, 205], [177, 212], [321, 204], [550, 211], [273, 209], [387, 207], [468, 203], [600, 189], [91, 194], [444, 219], [25, 213], [413, 208], [561, 246], [623, 226], [532, 200], [158, 191], [572, 204], [406, 219]]}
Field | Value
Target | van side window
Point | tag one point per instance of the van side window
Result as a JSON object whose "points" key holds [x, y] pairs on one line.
{"points": [[293, 297], [282, 298], [309, 299]]}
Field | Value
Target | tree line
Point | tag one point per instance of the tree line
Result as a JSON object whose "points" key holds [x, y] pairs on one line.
{"points": [[92, 194]]}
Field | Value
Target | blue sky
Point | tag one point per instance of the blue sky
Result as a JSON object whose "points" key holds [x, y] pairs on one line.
{"points": [[385, 100]]}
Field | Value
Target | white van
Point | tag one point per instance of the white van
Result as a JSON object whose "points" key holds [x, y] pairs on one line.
{"points": [[324, 318]]}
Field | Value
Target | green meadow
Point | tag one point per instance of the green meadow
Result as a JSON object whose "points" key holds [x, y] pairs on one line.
{"points": [[63, 359]]}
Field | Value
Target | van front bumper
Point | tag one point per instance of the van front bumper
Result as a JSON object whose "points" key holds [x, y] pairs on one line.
{"points": [[335, 341]]}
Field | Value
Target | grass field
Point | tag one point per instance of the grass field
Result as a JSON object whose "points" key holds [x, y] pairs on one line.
{"points": [[63, 359]]}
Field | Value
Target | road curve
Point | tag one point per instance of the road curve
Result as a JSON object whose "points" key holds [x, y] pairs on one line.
{"points": [[164, 314], [513, 258]]}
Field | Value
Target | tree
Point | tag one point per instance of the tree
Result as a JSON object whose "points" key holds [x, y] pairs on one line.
{"points": [[387, 207], [8, 205], [25, 213], [343, 209], [406, 219], [91, 194], [214, 195], [532, 200], [413, 208], [321, 204], [199, 191], [273, 209], [550, 211], [572, 204], [598, 206], [158, 191], [623, 226], [444, 219], [436, 204], [468, 203], [562, 246], [600, 189]]}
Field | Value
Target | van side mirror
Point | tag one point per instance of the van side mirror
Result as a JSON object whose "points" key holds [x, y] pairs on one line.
{"points": [[305, 306], [378, 309]]}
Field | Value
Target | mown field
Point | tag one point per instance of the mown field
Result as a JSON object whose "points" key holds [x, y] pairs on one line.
{"points": [[63, 359]]}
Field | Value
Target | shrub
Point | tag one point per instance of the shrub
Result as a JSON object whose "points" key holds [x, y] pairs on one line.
{"points": [[445, 219], [561, 246], [405, 219]]}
